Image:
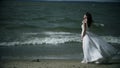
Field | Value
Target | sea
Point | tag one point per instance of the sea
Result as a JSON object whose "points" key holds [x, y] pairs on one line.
{"points": [[51, 30]]}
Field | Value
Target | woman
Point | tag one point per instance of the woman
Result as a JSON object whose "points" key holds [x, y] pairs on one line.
{"points": [[95, 49]]}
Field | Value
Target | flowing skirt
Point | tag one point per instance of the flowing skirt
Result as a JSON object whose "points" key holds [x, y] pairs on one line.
{"points": [[96, 49]]}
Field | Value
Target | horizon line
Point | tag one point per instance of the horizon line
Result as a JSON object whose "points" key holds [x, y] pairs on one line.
{"points": [[77, 1]]}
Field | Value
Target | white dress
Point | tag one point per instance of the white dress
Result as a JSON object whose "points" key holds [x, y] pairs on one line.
{"points": [[95, 48]]}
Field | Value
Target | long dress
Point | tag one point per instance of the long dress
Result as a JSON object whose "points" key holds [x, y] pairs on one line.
{"points": [[95, 48]]}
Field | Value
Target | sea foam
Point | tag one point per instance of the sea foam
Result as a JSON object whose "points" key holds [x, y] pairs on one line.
{"points": [[55, 38]]}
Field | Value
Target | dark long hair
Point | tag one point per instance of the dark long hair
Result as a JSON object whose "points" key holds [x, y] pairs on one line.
{"points": [[89, 19]]}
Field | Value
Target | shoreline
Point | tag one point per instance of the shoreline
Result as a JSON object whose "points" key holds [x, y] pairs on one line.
{"points": [[55, 63]]}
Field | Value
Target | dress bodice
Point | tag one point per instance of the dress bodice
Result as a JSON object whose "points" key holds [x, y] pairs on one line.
{"points": [[82, 26]]}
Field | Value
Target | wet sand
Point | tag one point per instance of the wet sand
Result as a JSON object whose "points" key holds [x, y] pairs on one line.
{"points": [[55, 64]]}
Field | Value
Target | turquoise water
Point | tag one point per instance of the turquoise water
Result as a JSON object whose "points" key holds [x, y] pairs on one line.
{"points": [[52, 29]]}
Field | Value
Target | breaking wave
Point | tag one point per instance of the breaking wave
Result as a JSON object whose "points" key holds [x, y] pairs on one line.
{"points": [[54, 38]]}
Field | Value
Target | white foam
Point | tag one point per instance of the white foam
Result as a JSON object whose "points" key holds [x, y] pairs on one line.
{"points": [[55, 38], [99, 24], [50, 33], [52, 38], [112, 39], [9, 43]]}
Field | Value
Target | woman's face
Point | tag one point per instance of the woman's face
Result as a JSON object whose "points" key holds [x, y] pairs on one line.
{"points": [[84, 17]]}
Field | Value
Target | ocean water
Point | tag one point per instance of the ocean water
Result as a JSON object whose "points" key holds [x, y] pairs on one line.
{"points": [[51, 30]]}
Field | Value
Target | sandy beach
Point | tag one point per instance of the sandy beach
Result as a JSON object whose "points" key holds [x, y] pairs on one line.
{"points": [[54, 64]]}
